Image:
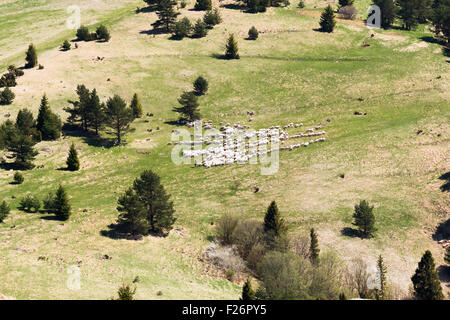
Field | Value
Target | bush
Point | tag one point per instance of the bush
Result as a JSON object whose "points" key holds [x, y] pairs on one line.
{"points": [[7, 96], [83, 33], [8, 80], [226, 228], [18, 178], [248, 235], [348, 12], [253, 33], [4, 211], [16, 71], [182, 28], [125, 292], [183, 4], [203, 5], [223, 257], [200, 86], [30, 203], [301, 4], [231, 51], [66, 46], [103, 33], [364, 218], [200, 29], [31, 57]]}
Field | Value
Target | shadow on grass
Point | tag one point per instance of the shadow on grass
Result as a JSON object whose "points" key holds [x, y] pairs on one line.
{"points": [[446, 186], [88, 137], [350, 232], [444, 273], [115, 232], [153, 32], [51, 218], [442, 231], [235, 6], [146, 9], [177, 123]]}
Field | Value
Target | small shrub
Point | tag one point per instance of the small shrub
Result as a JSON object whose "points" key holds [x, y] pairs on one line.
{"points": [[7, 96], [103, 33], [348, 12], [212, 18], [41, 67], [223, 257], [230, 274], [226, 228], [253, 33], [30, 204], [66, 46], [203, 5], [83, 33], [16, 71], [18, 178], [183, 4], [301, 4], [231, 51], [125, 292], [4, 211]]}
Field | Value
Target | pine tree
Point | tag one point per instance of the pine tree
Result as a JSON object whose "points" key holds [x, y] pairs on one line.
{"points": [[200, 29], [136, 106], [95, 112], [118, 116], [247, 291], [66, 46], [274, 227], [343, 3], [157, 204], [61, 204], [441, 19], [22, 148], [380, 292], [314, 247], [132, 217], [212, 18], [31, 57], [253, 33], [48, 123], [167, 15], [409, 11], [231, 51], [73, 164], [83, 33], [182, 28], [364, 218], [388, 12], [25, 122], [426, 280], [327, 20], [203, 5], [18, 178], [4, 211], [189, 109], [200, 86]]}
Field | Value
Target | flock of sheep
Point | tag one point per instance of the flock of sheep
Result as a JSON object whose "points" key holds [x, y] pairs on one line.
{"points": [[238, 144]]}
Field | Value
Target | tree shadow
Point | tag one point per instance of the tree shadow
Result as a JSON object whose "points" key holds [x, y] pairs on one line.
{"points": [[88, 137], [63, 169], [146, 9], [221, 56], [153, 32], [442, 231], [319, 30], [51, 218], [235, 6], [444, 274], [10, 166], [116, 233], [430, 40], [177, 123], [446, 185], [350, 232]]}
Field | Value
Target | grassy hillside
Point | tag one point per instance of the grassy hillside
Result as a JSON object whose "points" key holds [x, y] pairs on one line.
{"points": [[292, 73]]}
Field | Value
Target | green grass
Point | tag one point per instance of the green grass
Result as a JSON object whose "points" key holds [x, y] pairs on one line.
{"points": [[290, 74]]}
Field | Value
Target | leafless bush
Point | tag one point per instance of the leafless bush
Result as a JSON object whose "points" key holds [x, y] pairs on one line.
{"points": [[226, 228], [223, 257], [300, 245], [249, 233], [348, 12], [358, 277]]}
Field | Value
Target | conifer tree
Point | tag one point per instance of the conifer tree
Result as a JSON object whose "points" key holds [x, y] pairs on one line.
{"points": [[381, 290], [48, 123], [247, 291], [447, 255], [343, 3], [95, 112], [80, 111], [327, 20], [73, 164], [200, 86], [22, 148], [25, 122], [231, 51], [274, 226], [314, 247], [31, 57], [4, 211], [253, 33], [408, 13], [18, 178], [203, 5], [441, 20], [132, 217], [189, 106], [426, 280], [364, 218], [61, 204], [158, 207], [118, 116], [182, 28], [66, 46], [136, 106], [103, 33], [167, 15], [200, 29], [125, 292]]}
